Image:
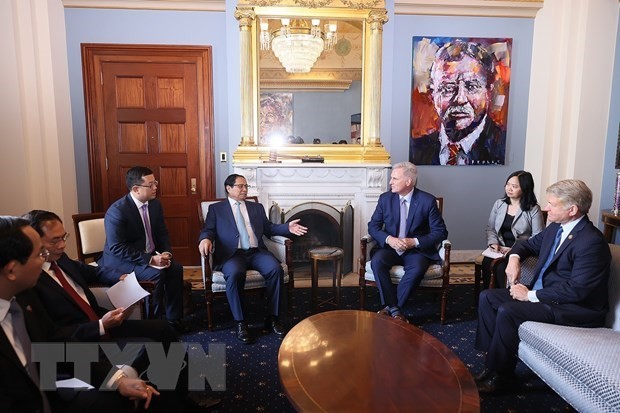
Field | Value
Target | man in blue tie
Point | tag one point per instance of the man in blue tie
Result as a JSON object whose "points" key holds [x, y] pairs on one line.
{"points": [[233, 231], [407, 226], [570, 287]]}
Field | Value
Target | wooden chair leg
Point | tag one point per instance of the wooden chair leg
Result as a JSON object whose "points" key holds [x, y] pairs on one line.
{"points": [[444, 301], [477, 281]]}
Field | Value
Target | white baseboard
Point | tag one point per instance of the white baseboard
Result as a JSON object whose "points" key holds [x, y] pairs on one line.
{"points": [[457, 256]]}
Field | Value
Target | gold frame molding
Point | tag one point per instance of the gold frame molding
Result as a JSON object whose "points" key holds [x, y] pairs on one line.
{"points": [[371, 150]]}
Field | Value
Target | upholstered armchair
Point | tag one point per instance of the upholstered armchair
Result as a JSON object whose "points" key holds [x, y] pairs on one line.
{"points": [[214, 282], [436, 279]]}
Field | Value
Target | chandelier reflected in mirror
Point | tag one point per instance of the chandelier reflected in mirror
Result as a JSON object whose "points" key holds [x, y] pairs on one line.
{"points": [[298, 44]]}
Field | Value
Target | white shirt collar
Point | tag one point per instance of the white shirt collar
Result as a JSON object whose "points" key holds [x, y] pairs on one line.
{"points": [[4, 307], [407, 197], [466, 143], [568, 227], [137, 202]]}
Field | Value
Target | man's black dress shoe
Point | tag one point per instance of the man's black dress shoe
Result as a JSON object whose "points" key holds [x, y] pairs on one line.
{"points": [[200, 401], [180, 326], [483, 375], [385, 311], [272, 324], [496, 382], [243, 333]]}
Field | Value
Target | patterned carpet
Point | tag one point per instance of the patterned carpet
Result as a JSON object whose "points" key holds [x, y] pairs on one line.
{"points": [[252, 381]]}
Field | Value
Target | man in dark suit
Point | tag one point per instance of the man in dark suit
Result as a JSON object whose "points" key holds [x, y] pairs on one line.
{"points": [[137, 240], [570, 287], [90, 323], [462, 81], [21, 257], [62, 278], [407, 226], [233, 231]]}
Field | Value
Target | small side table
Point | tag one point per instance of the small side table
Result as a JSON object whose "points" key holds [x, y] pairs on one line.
{"points": [[611, 223], [334, 254]]}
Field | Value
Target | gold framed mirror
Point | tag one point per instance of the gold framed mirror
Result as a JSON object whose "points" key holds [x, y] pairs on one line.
{"points": [[289, 95]]}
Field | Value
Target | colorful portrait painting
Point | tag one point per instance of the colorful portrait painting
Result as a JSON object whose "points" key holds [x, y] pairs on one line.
{"points": [[276, 117], [459, 100]]}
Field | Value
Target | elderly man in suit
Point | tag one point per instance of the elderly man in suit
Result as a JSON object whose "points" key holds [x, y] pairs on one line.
{"points": [[23, 320], [234, 229], [407, 226], [570, 287], [137, 240]]}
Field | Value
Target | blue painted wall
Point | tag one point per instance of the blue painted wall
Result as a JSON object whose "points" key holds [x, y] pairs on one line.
{"points": [[144, 27], [468, 191]]}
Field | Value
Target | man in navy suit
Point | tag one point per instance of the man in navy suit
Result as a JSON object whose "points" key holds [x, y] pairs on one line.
{"points": [[137, 240], [570, 287], [21, 257], [410, 242], [233, 231]]}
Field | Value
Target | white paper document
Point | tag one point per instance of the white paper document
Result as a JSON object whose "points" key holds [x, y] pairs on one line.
{"points": [[73, 384], [127, 292], [491, 253]]}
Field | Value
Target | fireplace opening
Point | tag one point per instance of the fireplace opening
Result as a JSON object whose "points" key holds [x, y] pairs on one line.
{"points": [[327, 226], [323, 230]]}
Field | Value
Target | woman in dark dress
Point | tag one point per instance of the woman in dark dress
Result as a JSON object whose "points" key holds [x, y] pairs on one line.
{"points": [[515, 216]]}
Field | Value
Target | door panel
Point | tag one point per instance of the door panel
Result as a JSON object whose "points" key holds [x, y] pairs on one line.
{"points": [[155, 114]]}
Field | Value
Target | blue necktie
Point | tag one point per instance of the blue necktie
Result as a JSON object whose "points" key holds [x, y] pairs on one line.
{"points": [[402, 227], [244, 237], [539, 281]]}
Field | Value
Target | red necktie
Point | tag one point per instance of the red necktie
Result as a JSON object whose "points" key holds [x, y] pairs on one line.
{"points": [[86, 308], [454, 151]]}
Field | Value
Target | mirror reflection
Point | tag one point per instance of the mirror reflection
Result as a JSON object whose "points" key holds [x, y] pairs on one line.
{"points": [[310, 81]]}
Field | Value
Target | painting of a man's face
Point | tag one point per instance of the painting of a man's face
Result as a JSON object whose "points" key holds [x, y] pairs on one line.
{"points": [[459, 100], [276, 116], [460, 93]]}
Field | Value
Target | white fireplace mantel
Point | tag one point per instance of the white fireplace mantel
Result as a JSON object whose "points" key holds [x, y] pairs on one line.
{"points": [[292, 183]]}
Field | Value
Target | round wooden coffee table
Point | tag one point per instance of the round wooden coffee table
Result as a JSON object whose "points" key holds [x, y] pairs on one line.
{"points": [[359, 361]]}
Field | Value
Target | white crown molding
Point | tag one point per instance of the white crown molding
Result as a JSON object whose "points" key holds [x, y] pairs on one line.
{"points": [[485, 8], [185, 5]]}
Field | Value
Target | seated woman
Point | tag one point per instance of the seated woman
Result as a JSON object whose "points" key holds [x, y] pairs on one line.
{"points": [[515, 216]]}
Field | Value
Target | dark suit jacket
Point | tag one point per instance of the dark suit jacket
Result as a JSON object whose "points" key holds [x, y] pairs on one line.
{"points": [[424, 222], [489, 149], [125, 237], [73, 322], [18, 393], [575, 283], [220, 227]]}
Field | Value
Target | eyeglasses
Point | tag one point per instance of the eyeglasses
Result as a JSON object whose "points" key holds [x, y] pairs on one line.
{"points": [[151, 185], [56, 241], [44, 254], [241, 186]]}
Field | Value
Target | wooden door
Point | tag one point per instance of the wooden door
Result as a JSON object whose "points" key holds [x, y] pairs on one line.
{"points": [[152, 106]]}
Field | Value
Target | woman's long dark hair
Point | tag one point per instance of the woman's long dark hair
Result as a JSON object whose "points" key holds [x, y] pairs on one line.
{"points": [[526, 182]]}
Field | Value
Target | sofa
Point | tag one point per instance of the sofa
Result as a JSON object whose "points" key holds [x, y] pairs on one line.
{"points": [[582, 365]]}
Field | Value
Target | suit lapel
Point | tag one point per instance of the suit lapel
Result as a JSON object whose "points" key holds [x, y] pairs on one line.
{"points": [[571, 237], [51, 283], [7, 350], [412, 209]]}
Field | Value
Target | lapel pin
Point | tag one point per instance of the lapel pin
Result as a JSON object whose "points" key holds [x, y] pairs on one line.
{"points": [[570, 236]]}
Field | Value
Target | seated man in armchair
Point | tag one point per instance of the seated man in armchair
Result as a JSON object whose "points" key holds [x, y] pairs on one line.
{"points": [[407, 226]]}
